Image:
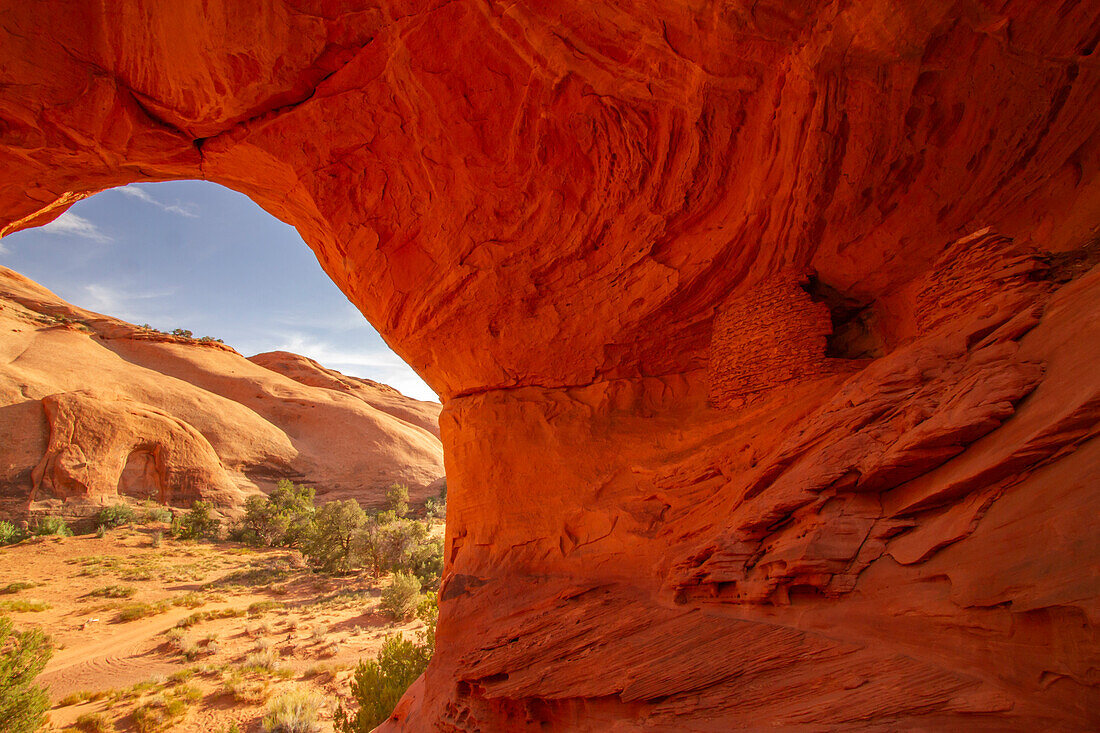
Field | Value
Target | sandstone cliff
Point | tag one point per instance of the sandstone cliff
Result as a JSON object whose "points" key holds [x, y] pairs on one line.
{"points": [[93, 408], [765, 329]]}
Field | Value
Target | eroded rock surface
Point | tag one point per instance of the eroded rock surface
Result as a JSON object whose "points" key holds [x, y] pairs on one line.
{"points": [[766, 330], [93, 409]]}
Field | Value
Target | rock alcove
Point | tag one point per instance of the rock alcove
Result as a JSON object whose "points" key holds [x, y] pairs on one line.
{"points": [[589, 227]]}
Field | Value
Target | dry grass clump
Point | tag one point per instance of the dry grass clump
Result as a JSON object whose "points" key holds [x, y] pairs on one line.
{"points": [[113, 591], [248, 690], [293, 711], [77, 698], [24, 605], [134, 611], [94, 723]]}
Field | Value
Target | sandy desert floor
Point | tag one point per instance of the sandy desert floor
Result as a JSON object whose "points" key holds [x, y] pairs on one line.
{"points": [[217, 629]]}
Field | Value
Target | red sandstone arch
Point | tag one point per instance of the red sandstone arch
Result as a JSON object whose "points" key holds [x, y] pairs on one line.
{"points": [[546, 207]]}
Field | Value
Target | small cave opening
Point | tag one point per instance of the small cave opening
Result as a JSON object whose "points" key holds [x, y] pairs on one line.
{"points": [[855, 333]]}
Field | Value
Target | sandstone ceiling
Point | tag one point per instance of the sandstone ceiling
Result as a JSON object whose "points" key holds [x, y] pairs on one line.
{"points": [[764, 329]]}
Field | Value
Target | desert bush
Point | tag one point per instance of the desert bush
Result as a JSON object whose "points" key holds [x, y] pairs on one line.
{"points": [[426, 561], [23, 654], [51, 526], [283, 518], [109, 517], [368, 547], [10, 534], [379, 683], [397, 499], [294, 711], [113, 591], [197, 524], [155, 539], [329, 545], [400, 597], [400, 541], [94, 723]]}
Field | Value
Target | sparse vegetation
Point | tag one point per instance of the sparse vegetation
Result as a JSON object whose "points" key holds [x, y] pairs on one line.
{"points": [[94, 723], [200, 616], [261, 607], [24, 605], [379, 683], [23, 654], [51, 526], [294, 711], [134, 611], [109, 517], [17, 586], [113, 591]]}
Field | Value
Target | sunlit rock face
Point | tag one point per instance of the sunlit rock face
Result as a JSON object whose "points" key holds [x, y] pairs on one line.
{"points": [[766, 330]]}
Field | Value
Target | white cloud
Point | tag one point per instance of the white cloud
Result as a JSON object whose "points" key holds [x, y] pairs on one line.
{"points": [[71, 225], [380, 364], [133, 191], [113, 301], [4, 250]]}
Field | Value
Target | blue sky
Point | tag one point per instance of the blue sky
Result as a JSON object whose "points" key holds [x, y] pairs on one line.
{"points": [[196, 255]]}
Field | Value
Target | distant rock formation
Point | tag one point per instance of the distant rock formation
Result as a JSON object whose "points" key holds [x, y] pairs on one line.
{"points": [[95, 409], [766, 331]]}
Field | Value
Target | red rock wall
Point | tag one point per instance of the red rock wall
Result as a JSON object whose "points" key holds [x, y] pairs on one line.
{"points": [[767, 336], [545, 207]]}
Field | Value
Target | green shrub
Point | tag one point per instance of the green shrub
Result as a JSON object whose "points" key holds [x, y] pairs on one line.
{"points": [[426, 561], [400, 597], [329, 545], [379, 684], [10, 534], [110, 517], [52, 527], [197, 524], [23, 654], [284, 518], [294, 711], [397, 499]]}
